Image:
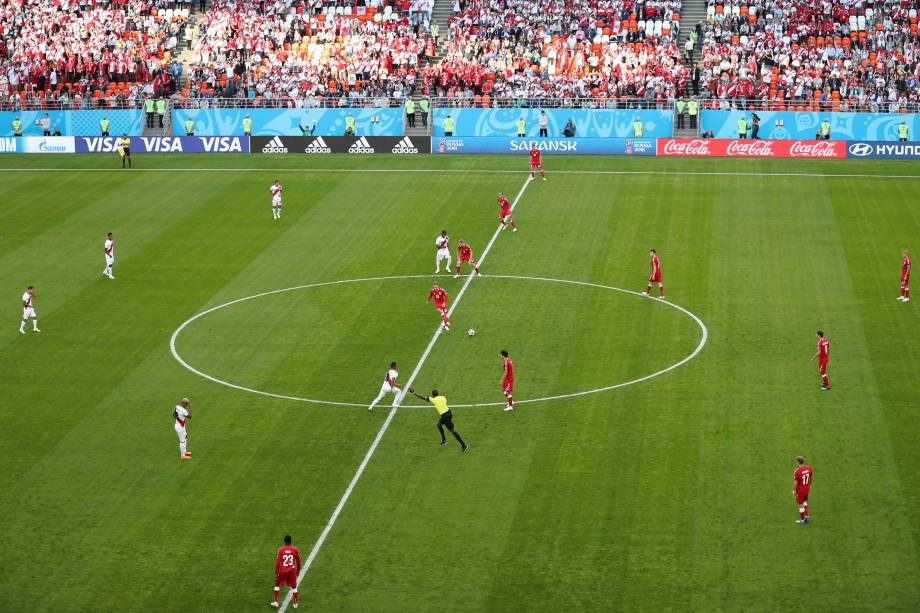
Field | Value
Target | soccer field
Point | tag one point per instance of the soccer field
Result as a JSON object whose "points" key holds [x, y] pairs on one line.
{"points": [[671, 491]]}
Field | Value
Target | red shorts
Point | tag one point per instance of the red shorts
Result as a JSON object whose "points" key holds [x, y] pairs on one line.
{"points": [[504, 213], [655, 278], [822, 367], [288, 579], [441, 307], [537, 165], [465, 258], [801, 496], [905, 281], [508, 386]]}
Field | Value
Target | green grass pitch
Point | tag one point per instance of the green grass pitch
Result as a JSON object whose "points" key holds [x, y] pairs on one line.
{"points": [[672, 494]]}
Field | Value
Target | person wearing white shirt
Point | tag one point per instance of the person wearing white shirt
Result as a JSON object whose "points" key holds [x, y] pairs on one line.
{"points": [[28, 311], [275, 190], [182, 413], [388, 387], [109, 249], [442, 243]]}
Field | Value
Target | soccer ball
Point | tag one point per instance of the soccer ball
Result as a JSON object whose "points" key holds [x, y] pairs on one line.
{"points": [[471, 332]]}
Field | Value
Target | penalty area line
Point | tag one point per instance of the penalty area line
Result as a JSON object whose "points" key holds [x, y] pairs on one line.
{"points": [[392, 414]]}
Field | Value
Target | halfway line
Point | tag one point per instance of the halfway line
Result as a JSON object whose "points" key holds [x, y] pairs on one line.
{"points": [[386, 424]]}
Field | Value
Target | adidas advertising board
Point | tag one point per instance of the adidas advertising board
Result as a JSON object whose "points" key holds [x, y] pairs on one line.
{"points": [[355, 145]]}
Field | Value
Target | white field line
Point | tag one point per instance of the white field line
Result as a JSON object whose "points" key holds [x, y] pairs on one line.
{"points": [[664, 173], [184, 325], [386, 424]]}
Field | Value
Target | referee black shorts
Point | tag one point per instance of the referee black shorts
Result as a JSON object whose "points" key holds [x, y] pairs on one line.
{"points": [[447, 420]]}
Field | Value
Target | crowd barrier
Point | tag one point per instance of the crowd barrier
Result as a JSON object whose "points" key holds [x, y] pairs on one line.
{"points": [[73, 123], [788, 125], [590, 123], [564, 146], [290, 122]]}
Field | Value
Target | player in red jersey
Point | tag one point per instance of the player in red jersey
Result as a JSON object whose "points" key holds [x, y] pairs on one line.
{"points": [[803, 478], [508, 380], [287, 566], [824, 355], [536, 162], [905, 277], [504, 214], [440, 303], [465, 254], [655, 277]]}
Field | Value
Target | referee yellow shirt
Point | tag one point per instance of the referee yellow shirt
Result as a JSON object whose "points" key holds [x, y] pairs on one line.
{"points": [[440, 403]]}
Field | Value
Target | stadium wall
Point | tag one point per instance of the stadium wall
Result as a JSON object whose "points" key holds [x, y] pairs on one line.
{"points": [[554, 146], [288, 122], [591, 123], [788, 125], [74, 123]]}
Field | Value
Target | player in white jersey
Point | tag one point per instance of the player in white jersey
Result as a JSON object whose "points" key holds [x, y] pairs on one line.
{"points": [[182, 413], [28, 311], [109, 249], [442, 243], [275, 189], [389, 386]]}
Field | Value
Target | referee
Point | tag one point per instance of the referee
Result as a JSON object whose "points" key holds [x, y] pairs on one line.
{"points": [[445, 419], [124, 150]]}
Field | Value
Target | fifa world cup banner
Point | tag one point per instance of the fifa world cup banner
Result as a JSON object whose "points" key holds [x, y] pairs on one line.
{"points": [[563, 146], [589, 123], [72, 123], [722, 147], [357, 145], [789, 125], [165, 144], [291, 122], [882, 149]]}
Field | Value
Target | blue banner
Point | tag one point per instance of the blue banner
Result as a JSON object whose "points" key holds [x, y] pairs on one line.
{"points": [[73, 123], [591, 123], [166, 144], [787, 125], [290, 122], [564, 146], [883, 149]]}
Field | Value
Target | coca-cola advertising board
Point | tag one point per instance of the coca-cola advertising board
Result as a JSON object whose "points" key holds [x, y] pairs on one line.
{"points": [[724, 147]]}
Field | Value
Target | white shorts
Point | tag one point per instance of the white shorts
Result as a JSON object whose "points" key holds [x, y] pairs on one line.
{"points": [[29, 313], [109, 260], [386, 388], [276, 201], [443, 254], [180, 430]]}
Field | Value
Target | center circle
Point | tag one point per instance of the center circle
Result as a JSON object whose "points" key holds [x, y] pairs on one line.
{"points": [[704, 334]]}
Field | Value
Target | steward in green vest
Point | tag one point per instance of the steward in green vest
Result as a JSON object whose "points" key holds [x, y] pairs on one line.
{"points": [[350, 125], [410, 112], [189, 127], [425, 107], [148, 108], [247, 126], [825, 129], [449, 126], [521, 128], [902, 131], [17, 127], [104, 126], [435, 30], [693, 110], [680, 106], [161, 109], [637, 128], [742, 127]]}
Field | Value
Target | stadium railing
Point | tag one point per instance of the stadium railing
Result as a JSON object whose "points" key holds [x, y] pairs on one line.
{"points": [[808, 106]]}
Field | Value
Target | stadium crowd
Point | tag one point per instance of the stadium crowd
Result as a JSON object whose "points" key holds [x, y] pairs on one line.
{"points": [[843, 54]]}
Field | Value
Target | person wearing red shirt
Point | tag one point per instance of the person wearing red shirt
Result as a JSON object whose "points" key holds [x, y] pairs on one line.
{"points": [[824, 355], [287, 566], [905, 277], [536, 162], [508, 380], [504, 213], [465, 254], [655, 276], [440, 303], [802, 478]]}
